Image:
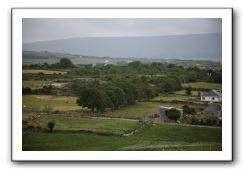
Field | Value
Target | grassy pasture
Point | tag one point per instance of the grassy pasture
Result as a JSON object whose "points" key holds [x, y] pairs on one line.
{"points": [[158, 138], [49, 102], [88, 124], [203, 85], [36, 71], [145, 108]]}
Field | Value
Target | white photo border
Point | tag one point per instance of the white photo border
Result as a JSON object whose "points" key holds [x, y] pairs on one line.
{"points": [[227, 78]]}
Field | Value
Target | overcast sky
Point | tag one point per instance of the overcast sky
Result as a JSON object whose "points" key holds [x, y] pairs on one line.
{"points": [[42, 29]]}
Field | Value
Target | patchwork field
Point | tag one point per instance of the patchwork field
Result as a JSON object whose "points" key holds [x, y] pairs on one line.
{"points": [[36, 71], [49, 103], [203, 85], [158, 137]]}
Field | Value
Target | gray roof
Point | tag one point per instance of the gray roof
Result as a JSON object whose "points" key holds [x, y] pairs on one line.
{"points": [[213, 109], [212, 93]]}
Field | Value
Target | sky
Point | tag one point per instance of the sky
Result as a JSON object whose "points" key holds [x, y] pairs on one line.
{"points": [[43, 29]]}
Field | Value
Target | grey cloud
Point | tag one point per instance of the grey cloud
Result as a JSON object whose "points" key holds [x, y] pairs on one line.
{"points": [[41, 29]]}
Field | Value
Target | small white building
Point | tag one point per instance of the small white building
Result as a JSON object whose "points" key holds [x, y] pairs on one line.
{"points": [[212, 96]]}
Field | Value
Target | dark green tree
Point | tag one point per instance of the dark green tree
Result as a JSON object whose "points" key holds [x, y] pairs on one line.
{"points": [[117, 96], [173, 114], [65, 63], [188, 91], [94, 99], [51, 125]]}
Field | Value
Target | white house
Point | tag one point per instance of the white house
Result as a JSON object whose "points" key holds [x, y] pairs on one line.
{"points": [[212, 96]]}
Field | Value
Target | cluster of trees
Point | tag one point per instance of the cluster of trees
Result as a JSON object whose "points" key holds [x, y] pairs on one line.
{"points": [[63, 63], [184, 75], [98, 98]]}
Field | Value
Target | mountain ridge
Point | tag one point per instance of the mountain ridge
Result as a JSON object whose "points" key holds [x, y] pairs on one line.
{"points": [[194, 46]]}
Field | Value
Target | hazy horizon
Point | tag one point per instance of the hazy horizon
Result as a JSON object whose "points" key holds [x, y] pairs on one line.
{"points": [[44, 29], [169, 38]]}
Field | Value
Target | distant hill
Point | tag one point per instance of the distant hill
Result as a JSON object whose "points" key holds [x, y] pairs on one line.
{"points": [[196, 47]]}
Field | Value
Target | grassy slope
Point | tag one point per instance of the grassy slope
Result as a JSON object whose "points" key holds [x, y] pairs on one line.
{"points": [[158, 137]]}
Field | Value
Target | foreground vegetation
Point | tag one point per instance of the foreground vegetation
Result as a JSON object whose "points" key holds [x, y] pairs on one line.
{"points": [[157, 137]]}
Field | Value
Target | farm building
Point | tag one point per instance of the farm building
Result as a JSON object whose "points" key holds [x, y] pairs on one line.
{"points": [[213, 110], [212, 96], [162, 112]]}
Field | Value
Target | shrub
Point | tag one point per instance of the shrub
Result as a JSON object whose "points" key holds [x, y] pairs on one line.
{"points": [[188, 110], [51, 125], [173, 114]]}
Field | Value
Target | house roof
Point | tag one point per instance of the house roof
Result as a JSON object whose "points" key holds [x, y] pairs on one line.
{"points": [[213, 109], [212, 93]]}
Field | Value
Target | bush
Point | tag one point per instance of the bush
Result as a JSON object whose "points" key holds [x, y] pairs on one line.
{"points": [[26, 90], [188, 110], [173, 114], [51, 125]]}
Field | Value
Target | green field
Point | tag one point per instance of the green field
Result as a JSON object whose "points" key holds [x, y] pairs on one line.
{"points": [[49, 103], [145, 108], [174, 98], [88, 124], [36, 71], [35, 84], [157, 137], [203, 85]]}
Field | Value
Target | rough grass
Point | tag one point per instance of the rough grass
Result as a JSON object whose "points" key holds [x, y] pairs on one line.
{"points": [[89, 124], [203, 85], [141, 109], [157, 138], [36, 71], [49, 103]]}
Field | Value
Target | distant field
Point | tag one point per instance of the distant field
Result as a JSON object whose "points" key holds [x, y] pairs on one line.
{"points": [[174, 97], [145, 108], [88, 124], [36, 71], [194, 93], [73, 60], [203, 85], [158, 138], [49, 102], [35, 84]]}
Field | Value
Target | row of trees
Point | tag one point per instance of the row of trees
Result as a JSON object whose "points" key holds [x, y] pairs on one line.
{"points": [[63, 63]]}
